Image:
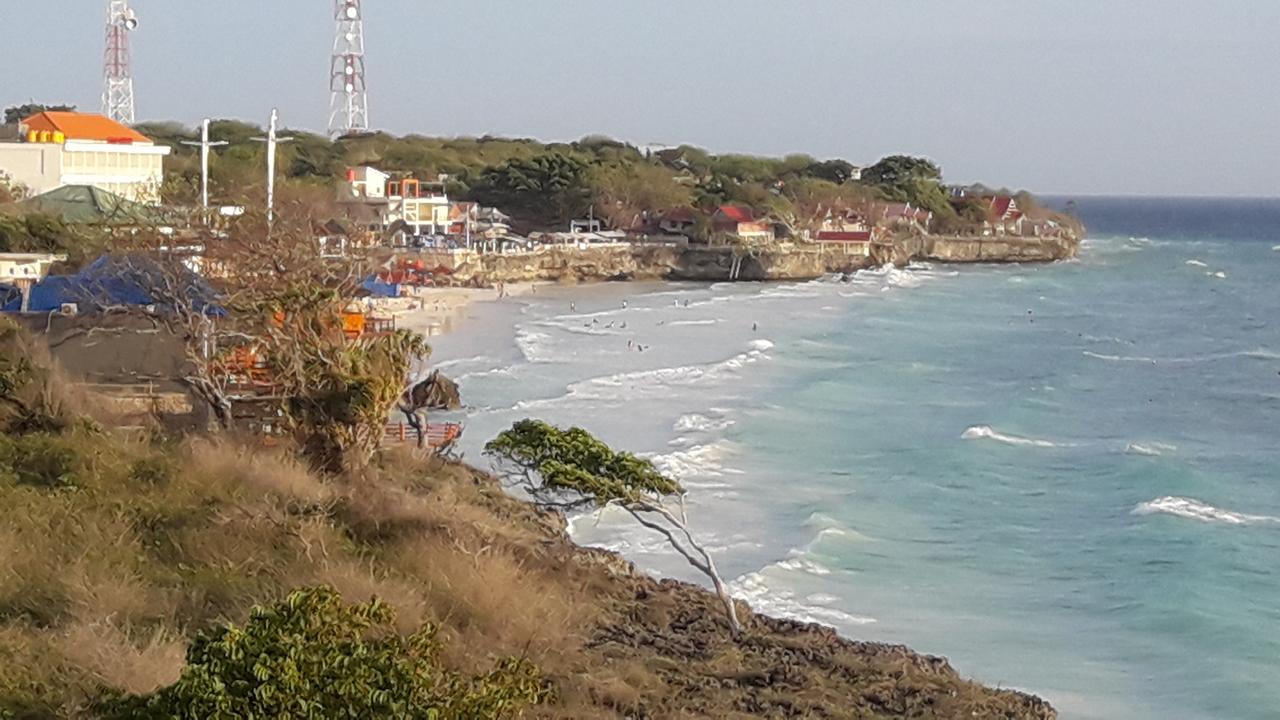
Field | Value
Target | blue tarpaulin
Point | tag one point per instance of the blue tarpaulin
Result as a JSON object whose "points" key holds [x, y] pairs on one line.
{"points": [[115, 281], [377, 288]]}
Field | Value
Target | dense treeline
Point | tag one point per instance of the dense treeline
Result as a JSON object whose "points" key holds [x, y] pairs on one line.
{"points": [[545, 184]]}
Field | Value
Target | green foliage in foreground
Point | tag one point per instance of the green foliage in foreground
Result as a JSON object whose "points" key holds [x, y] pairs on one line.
{"points": [[313, 656], [573, 461]]}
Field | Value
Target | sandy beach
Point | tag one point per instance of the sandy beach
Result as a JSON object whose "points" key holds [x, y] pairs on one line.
{"points": [[436, 311]]}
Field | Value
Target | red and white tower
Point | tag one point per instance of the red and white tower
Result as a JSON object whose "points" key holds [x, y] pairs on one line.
{"points": [[349, 102], [117, 70]]}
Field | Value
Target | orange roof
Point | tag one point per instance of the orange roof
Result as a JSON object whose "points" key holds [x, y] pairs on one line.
{"points": [[85, 126]]}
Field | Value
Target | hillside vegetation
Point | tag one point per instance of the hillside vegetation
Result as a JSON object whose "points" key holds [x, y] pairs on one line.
{"points": [[546, 184], [124, 557]]}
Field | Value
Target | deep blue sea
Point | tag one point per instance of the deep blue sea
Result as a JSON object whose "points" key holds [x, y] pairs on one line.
{"points": [[1065, 478]]}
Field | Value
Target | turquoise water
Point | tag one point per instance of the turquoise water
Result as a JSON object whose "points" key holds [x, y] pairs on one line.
{"points": [[1063, 478]]}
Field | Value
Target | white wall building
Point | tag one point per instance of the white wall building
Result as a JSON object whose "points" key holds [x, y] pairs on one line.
{"points": [[64, 148]]}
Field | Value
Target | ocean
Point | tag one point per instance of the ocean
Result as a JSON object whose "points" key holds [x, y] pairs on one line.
{"points": [[1065, 478]]}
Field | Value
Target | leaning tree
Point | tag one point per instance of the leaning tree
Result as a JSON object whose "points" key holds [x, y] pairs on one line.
{"points": [[569, 469]]}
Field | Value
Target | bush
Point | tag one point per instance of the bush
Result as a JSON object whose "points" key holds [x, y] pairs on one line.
{"points": [[40, 460], [313, 656]]}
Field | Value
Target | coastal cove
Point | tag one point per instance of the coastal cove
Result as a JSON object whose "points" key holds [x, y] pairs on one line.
{"points": [[1029, 469]]}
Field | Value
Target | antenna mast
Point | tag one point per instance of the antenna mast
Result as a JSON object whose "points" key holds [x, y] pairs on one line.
{"points": [[117, 70], [349, 102]]}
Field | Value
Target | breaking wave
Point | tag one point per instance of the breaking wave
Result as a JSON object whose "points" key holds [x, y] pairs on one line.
{"points": [[1151, 449], [762, 589], [1259, 354], [697, 422], [534, 346], [699, 461], [986, 432], [1193, 509]]}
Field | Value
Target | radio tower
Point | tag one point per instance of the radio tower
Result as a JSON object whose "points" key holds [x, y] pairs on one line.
{"points": [[117, 71], [349, 102]]}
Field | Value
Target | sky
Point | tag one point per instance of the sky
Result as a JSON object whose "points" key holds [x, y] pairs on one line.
{"points": [[1149, 97]]}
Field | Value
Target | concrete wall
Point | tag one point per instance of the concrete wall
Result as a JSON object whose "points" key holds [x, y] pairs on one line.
{"points": [[37, 166]]}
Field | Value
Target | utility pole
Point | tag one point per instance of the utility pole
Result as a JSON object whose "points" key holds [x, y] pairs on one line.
{"points": [[348, 99], [117, 64], [272, 140], [204, 145]]}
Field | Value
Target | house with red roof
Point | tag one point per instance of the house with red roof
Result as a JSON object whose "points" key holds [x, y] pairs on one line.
{"points": [[58, 149], [736, 222], [1004, 217]]}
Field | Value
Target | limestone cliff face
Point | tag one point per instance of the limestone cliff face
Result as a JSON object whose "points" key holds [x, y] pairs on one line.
{"points": [[950, 249], [716, 264]]}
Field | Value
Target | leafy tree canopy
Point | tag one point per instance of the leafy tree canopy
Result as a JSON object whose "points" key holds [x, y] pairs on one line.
{"points": [[900, 170], [573, 461]]}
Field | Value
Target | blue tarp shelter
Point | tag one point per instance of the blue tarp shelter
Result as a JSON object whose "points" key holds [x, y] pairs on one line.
{"points": [[379, 289], [116, 280]]}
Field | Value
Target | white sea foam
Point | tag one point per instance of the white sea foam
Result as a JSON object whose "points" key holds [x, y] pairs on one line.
{"points": [[1197, 263], [1276, 248], [1197, 510], [986, 432], [534, 346], [697, 422], [656, 382], [1258, 354], [484, 373], [1150, 449], [692, 322], [698, 461], [764, 591], [1219, 275]]}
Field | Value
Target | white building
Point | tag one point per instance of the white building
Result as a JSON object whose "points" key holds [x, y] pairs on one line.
{"points": [[66, 148], [413, 207]]}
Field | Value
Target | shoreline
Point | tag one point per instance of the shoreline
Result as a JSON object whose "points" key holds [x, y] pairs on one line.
{"points": [[603, 300], [435, 311]]}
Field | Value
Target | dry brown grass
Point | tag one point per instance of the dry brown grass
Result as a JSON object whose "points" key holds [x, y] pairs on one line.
{"points": [[111, 657]]}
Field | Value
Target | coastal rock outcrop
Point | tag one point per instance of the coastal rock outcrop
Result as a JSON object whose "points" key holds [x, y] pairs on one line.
{"points": [[788, 261]]}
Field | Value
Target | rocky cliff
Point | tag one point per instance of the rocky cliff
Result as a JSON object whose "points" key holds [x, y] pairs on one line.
{"points": [[715, 264]]}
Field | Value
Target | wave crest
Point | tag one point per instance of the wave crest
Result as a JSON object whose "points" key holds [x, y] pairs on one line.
{"points": [[986, 432], [1193, 509]]}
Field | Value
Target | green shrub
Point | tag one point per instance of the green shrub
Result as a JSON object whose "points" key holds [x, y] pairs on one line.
{"points": [[313, 656], [40, 460]]}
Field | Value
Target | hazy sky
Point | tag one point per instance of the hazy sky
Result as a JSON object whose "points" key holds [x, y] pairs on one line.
{"points": [[1076, 96]]}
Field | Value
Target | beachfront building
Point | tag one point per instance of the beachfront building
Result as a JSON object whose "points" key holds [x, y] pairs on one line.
{"points": [[1004, 217], [900, 216], [731, 222], [56, 149], [679, 221], [404, 209]]}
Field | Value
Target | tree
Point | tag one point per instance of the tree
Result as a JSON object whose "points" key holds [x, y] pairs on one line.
{"points": [[623, 191], [910, 179], [313, 656], [274, 313], [897, 171], [18, 113], [572, 469], [551, 181], [836, 171]]}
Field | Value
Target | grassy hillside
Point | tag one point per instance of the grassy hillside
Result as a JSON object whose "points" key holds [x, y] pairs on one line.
{"points": [[116, 551]]}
